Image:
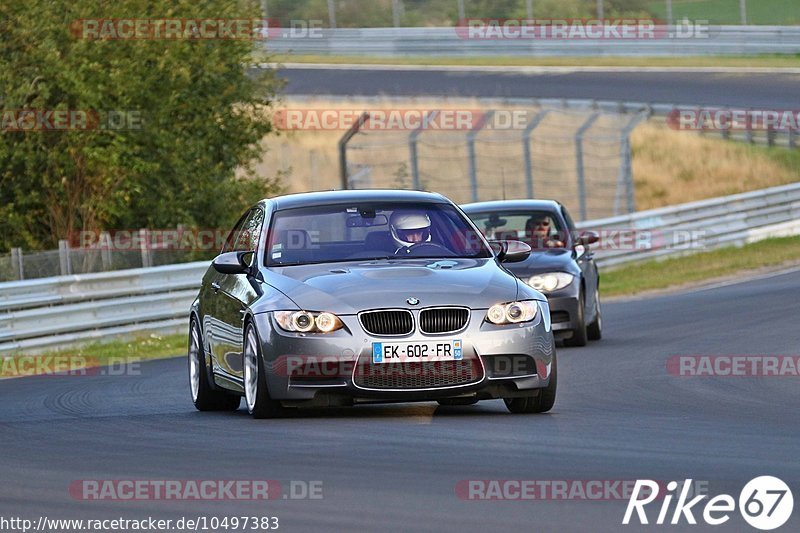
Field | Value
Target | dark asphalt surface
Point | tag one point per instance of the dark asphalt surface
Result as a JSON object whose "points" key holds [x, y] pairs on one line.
{"points": [[619, 415], [769, 91]]}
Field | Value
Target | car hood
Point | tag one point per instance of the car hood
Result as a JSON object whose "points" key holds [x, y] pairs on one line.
{"points": [[540, 262], [348, 288]]}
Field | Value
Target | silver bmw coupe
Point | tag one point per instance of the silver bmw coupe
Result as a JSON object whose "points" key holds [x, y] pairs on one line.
{"points": [[346, 297]]}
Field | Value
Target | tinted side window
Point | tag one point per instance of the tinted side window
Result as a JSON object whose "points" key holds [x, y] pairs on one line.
{"points": [[233, 236], [247, 240], [570, 223]]}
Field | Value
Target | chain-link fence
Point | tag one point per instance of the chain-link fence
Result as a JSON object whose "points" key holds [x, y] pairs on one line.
{"points": [[69, 260], [580, 156]]}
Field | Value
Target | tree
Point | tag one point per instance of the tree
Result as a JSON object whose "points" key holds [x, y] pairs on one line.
{"points": [[192, 118]]}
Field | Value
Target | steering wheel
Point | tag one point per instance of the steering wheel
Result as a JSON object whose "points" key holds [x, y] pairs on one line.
{"points": [[420, 247]]}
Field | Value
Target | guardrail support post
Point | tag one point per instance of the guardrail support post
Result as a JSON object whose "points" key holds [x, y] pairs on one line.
{"points": [[579, 162], [144, 239], [105, 250], [526, 146], [343, 148], [63, 258], [412, 148], [473, 163], [16, 261], [791, 139]]}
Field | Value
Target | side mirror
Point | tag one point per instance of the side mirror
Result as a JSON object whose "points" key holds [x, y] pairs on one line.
{"points": [[511, 251], [234, 262], [586, 238]]}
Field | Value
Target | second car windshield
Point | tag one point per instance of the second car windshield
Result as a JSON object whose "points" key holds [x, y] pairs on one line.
{"points": [[539, 229], [364, 231]]}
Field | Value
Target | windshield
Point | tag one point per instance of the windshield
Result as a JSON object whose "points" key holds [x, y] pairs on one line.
{"points": [[369, 231], [539, 229]]}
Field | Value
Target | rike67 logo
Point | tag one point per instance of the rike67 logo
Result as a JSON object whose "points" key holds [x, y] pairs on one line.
{"points": [[765, 503]]}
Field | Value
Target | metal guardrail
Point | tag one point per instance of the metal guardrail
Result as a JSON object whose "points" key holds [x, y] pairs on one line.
{"points": [[698, 226], [48, 313], [53, 312], [452, 41]]}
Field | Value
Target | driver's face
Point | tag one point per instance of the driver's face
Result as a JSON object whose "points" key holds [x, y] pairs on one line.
{"points": [[415, 235], [541, 228]]}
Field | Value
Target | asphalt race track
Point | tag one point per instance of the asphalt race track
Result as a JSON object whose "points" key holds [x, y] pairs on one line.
{"points": [[759, 90], [619, 416]]}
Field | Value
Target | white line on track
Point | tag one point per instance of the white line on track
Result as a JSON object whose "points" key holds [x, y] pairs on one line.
{"points": [[529, 69]]}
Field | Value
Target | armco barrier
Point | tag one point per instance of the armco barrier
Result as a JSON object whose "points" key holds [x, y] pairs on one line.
{"points": [[431, 42], [53, 312]]}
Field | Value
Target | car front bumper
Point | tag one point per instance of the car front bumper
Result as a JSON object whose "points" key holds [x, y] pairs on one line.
{"points": [[337, 368]]}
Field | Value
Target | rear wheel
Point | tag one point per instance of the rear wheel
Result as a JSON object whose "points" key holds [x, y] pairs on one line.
{"points": [[204, 396], [595, 329], [541, 403], [259, 402], [579, 334]]}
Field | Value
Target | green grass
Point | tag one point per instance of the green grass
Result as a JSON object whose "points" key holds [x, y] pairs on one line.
{"points": [[764, 61], [116, 353], [674, 272], [769, 12], [142, 347]]}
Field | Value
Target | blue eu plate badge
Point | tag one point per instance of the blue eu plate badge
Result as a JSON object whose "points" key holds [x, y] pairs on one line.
{"points": [[377, 352]]}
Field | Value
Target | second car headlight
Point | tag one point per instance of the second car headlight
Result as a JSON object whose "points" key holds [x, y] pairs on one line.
{"points": [[550, 282], [306, 322], [512, 313]]}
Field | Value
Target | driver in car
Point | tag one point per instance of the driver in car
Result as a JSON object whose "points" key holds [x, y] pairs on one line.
{"points": [[409, 228], [537, 230]]}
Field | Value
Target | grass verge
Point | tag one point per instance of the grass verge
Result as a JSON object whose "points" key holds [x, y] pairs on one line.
{"points": [[679, 271], [118, 354], [767, 60]]}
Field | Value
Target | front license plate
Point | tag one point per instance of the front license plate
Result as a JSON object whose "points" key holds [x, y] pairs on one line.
{"points": [[416, 352]]}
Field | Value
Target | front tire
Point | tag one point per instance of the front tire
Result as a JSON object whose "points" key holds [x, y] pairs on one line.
{"points": [[579, 334], [204, 396], [540, 403], [259, 403], [595, 329]]}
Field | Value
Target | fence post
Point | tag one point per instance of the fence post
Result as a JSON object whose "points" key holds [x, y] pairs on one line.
{"points": [[16, 261], [105, 250], [526, 146], [579, 162], [473, 163], [63, 258], [412, 148], [332, 14], [144, 240], [396, 11], [790, 138], [625, 178], [343, 148]]}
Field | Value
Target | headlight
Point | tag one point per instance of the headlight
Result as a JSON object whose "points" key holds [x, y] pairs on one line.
{"points": [[512, 313], [306, 322], [550, 282]]}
